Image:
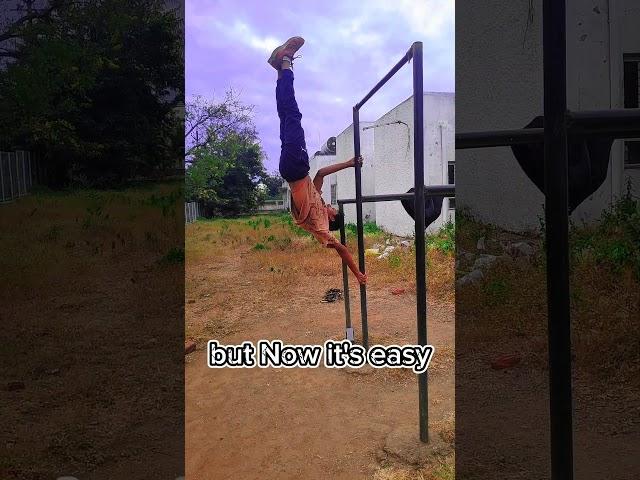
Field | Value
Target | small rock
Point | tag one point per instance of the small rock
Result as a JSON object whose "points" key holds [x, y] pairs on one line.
{"points": [[483, 261], [372, 251], [469, 257], [386, 252], [480, 245], [189, 346], [405, 244], [521, 249], [471, 278], [397, 291]]}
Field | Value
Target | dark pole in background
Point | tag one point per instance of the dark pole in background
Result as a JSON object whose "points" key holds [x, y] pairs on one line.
{"points": [[360, 226], [421, 279], [345, 279], [557, 237]]}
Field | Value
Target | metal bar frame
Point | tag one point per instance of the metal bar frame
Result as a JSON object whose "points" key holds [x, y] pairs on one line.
{"points": [[345, 280], [554, 45], [618, 124], [560, 124], [446, 190], [414, 53]]}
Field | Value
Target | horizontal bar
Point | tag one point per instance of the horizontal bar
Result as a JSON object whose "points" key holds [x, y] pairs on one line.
{"points": [[499, 138], [385, 79], [446, 190], [620, 124]]}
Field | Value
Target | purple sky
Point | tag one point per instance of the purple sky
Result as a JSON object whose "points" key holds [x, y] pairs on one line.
{"points": [[348, 49]]}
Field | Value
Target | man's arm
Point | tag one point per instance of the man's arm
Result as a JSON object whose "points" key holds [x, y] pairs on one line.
{"points": [[329, 169], [346, 256]]}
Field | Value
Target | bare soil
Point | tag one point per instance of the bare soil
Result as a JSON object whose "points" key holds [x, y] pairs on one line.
{"points": [[299, 423]]}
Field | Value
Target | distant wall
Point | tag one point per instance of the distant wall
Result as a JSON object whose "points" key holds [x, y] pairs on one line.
{"points": [[393, 158], [346, 178], [499, 86]]}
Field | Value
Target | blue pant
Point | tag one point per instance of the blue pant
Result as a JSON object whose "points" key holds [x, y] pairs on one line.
{"points": [[294, 161]]}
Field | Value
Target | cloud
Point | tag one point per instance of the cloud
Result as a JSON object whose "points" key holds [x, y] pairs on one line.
{"points": [[349, 46]]}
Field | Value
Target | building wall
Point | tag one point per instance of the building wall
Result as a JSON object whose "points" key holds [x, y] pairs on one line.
{"points": [[630, 44], [393, 158], [316, 163], [495, 188], [346, 178], [387, 149]]}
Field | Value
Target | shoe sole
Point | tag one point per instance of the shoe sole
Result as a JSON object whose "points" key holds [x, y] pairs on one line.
{"points": [[274, 54]]}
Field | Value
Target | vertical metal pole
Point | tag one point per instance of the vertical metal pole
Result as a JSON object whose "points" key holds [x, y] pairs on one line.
{"points": [[2, 175], [24, 175], [10, 174], [557, 237], [421, 279], [345, 280], [360, 227], [30, 172]]}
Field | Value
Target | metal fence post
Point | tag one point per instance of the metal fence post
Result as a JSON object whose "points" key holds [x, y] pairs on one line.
{"points": [[421, 279], [360, 226], [345, 280], [557, 237], [10, 173], [2, 174]]}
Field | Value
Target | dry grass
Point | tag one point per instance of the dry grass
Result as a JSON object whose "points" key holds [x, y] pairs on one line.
{"points": [[510, 303], [440, 469], [91, 283], [282, 256]]}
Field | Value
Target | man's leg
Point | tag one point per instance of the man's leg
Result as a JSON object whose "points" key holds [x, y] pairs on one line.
{"points": [[294, 161], [293, 134]]}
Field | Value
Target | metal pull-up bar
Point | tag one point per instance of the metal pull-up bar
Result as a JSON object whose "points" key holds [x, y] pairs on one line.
{"points": [[418, 195], [618, 124], [562, 125]]}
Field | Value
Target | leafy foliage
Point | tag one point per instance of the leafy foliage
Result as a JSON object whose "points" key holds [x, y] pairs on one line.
{"points": [[225, 171], [94, 88], [616, 240]]}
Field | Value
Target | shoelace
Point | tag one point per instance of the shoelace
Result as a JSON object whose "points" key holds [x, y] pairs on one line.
{"points": [[294, 58]]}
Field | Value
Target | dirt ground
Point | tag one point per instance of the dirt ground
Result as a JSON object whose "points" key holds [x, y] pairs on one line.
{"points": [[89, 290], [295, 423]]}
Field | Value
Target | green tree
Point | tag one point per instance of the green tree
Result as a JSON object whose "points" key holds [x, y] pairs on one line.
{"points": [[223, 156], [274, 185], [94, 87]]}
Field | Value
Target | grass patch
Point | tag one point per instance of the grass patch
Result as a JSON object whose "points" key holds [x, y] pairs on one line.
{"points": [[444, 240], [510, 302], [369, 228]]}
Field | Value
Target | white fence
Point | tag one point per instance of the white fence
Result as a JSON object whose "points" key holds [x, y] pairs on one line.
{"points": [[192, 211], [16, 175]]}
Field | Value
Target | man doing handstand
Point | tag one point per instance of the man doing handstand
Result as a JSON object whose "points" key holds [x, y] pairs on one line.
{"points": [[308, 208]]}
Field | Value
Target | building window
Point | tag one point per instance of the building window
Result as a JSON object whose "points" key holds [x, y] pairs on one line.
{"points": [[334, 194], [632, 100], [451, 180]]}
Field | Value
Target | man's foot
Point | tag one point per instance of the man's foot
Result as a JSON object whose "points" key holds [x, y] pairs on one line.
{"points": [[287, 49]]}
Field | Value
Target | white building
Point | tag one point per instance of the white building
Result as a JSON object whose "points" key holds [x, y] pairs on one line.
{"points": [[387, 148], [499, 86]]}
